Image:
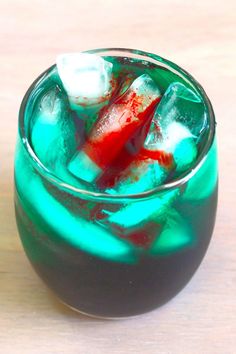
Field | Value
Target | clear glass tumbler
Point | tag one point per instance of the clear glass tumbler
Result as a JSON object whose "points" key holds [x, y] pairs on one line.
{"points": [[115, 255]]}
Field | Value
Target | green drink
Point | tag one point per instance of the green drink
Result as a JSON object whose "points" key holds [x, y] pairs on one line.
{"points": [[116, 217]]}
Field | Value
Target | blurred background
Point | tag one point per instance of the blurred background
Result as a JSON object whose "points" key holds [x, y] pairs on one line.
{"points": [[199, 36]]}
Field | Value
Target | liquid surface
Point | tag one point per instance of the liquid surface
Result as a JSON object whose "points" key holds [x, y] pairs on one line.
{"points": [[149, 130]]}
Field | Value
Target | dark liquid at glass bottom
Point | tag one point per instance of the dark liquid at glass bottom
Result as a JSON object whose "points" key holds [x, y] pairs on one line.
{"points": [[110, 289]]}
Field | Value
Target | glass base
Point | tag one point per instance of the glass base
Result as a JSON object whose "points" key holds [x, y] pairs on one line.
{"points": [[97, 316]]}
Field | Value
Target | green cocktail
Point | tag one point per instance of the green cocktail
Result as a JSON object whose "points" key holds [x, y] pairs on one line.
{"points": [[116, 193]]}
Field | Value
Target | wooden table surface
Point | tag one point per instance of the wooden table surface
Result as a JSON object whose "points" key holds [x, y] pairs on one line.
{"points": [[201, 37]]}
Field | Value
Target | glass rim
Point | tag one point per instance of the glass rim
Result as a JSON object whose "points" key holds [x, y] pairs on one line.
{"points": [[178, 182]]}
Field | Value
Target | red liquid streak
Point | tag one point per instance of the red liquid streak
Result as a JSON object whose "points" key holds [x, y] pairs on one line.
{"points": [[117, 169], [165, 159], [104, 144], [112, 174], [126, 156]]}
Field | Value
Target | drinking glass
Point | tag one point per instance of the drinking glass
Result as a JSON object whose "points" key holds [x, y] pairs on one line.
{"points": [[115, 256]]}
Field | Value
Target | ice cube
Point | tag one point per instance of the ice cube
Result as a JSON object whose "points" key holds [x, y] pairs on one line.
{"points": [[181, 143], [177, 125], [181, 104], [53, 134], [53, 131], [142, 178], [137, 214], [179, 113], [141, 175], [116, 125], [176, 235], [87, 78]]}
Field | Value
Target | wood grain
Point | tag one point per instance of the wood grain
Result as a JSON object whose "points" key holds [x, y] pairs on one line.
{"points": [[201, 37]]}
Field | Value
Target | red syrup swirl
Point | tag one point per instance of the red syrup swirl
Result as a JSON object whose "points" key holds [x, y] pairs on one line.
{"points": [[127, 155], [118, 170], [116, 125], [165, 159]]}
